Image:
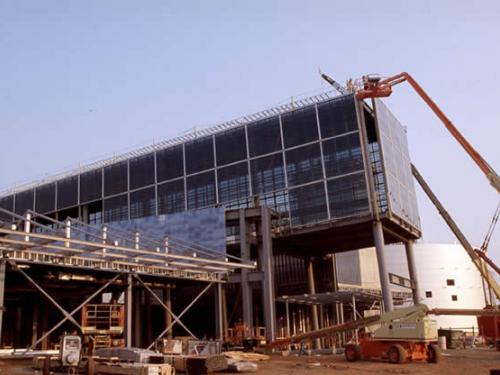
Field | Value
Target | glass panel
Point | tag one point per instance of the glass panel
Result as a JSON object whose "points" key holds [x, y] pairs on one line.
{"points": [[199, 155], [337, 116], [67, 192], [142, 171], [396, 158], [233, 182], [308, 204], [142, 203], [264, 137], [169, 163], [171, 197], [278, 201], [91, 186], [24, 201], [300, 127], [7, 203], [45, 198], [116, 208], [343, 155], [348, 195], [115, 178], [303, 164], [201, 190], [267, 174], [231, 146]]}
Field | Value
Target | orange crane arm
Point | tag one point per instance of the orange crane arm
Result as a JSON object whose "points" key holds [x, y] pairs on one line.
{"points": [[374, 88]]}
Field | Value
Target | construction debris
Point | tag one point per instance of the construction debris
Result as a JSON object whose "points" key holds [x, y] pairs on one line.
{"points": [[243, 356]]}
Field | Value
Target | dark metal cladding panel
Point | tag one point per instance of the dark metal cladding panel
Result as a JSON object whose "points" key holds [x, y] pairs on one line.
{"points": [[303, 164], [199, 155], [116, 208], [115, 178], [142, 203], [45, 198], [308, 204], [171, 197], [67, 192], [300, 127], [342, 155], [267, 174], [348, 196], [264, 137], [233, 182], [231, 146], [142, 171], [7, 203], [201, 190], [337, 116], [91, 186], [24, 201], [169, 163]]}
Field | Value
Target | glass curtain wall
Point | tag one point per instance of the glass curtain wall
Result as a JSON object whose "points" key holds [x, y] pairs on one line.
{"points": [[306, 164]]}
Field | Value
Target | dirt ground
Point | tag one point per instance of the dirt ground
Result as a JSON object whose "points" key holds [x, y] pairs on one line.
{"points": [[456, 362]]}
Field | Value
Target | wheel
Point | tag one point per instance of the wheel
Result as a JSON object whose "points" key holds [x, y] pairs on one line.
{"points": [[396, 354], [433, 353], [353, 353]]}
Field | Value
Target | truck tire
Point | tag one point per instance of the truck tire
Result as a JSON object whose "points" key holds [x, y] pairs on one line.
{"points": [[433, 353], [353, 353], [396, 354]]}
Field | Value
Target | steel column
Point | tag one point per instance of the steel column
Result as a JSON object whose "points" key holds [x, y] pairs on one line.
{"points": [[246, 289], [266, 266], [128, 312], [219, 318], [287, 309], [167, 301], [378, 236], [2, 293], [312, 291], [412, 270]]}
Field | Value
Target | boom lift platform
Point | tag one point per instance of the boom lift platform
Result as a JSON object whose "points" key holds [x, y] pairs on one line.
{"points": [[405, 334]]}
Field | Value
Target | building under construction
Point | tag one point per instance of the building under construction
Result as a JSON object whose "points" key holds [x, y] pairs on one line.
{"points": [[257, 207]]}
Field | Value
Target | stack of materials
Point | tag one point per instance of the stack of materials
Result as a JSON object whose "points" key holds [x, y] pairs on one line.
{"points": [[244, 362]]}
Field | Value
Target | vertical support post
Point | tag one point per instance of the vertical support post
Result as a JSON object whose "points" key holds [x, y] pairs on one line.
{"points": [[148, 317], [412, 270], [128, 312], [314, 307], [137, 307], [167, 299], [378, 236], [2, 293], [354, 317], [85, 214], [266, 265], [341, 307], [219, 316], [27, 227], [246, 289], [67, 232], [287, 308], [34, 325]]}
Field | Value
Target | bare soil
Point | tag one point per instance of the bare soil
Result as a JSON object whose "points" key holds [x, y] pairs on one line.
{"points": [[455, 362]]}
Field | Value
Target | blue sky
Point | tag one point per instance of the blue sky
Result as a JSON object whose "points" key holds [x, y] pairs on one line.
{"points": [[83, 80]]}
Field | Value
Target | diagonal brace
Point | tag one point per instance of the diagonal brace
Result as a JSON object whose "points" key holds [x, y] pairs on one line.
{"points": [[181, 314], [69, 316], [164, 306]]}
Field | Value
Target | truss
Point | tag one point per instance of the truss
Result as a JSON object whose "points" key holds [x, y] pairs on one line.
{"points": [[75, 244]]}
